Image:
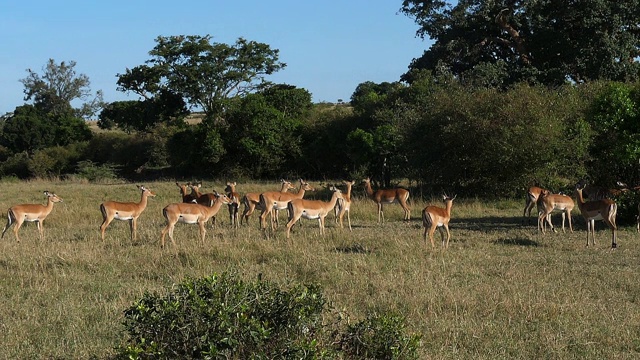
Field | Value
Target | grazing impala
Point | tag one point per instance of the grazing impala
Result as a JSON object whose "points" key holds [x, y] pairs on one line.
{"points": [[235, 203], [190, 213], [344, 205], [251, 201], [18, 214], [532, 198], [549, 202], [388, 196], [124, 211], [272, 201], [436, 217], [311, 209], [604, 209], [186, 197]]}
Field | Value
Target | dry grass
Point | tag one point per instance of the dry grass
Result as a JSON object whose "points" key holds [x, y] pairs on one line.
{"points": [[500, 291]]}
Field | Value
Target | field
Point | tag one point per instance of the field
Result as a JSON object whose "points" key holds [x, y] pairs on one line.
{"points": [[500, 291]]}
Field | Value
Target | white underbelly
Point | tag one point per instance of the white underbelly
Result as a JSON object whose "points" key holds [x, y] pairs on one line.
{"points": [[30, 218], [123, 217], [310, 216], [188, 219], [597, 217], [280, 205]]}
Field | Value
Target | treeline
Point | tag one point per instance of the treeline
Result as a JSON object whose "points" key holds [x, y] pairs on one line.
{"points": [[435, 132]]}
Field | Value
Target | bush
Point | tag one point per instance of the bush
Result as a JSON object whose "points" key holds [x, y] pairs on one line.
{"points": [[379, 337], [224, 317], [87, 169]]}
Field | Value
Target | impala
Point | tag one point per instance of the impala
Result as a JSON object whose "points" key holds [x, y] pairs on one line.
{"points": [[18, 214], [124, 211], [548, 203], [204, 199], [532, 198], [388, 196], [190, 213], [436, 217], [186, 197], [604, 209], [235, 203], [251, 201], [344, 205], [272, 201], [311, 209]]}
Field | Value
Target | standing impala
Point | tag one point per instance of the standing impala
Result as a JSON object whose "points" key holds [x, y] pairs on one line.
{"points": [[124, 211], [604, 209], [190, 213], [549, 202], [18, 214], [532, 198], [204, 199], [235, 203], [186, 197], [272, 201], [436, 217], [388, 196], [251, 201], [311, 209], [344, 205]]}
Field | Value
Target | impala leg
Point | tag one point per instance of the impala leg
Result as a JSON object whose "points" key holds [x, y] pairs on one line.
{"points": [[432, 230], [10, 220], [563, 216], [203, 230], [16, 229], [40, 232], [446, 226], [349, 219], [569, 218], [292, 222], [380, 213], [134, 229], [321, 221]]}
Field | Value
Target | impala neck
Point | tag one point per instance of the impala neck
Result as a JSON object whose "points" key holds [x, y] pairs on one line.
{"points": [[334, 200], [449, 205], [348, 193], [215, 207], [368, 189], [143, 199], [579, 196]]}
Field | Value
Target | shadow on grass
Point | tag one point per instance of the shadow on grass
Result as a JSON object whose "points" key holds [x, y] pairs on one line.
{"points": [[518, 241], [490, 223], [353, 249]]}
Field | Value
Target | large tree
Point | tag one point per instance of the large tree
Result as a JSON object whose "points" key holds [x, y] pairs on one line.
{"points": [[498, 43], [58, 86], [205, 73]]}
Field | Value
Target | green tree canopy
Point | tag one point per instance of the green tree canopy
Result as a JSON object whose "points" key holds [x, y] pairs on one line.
{"points": [[205, 73], [58, 86], [503, 42]]}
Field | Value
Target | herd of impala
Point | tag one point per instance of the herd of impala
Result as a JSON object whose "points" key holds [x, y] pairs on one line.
{"points": [[199, 208]]}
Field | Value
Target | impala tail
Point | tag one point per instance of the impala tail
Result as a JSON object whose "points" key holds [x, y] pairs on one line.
{"points": [[11, 217], [426, 219]]}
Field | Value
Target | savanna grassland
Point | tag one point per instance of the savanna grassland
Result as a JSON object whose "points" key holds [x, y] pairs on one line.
{"points": [[500, 291]]}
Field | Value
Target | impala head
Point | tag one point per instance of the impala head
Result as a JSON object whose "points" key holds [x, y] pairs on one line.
{"points": [[146, 191], [446, 197], [195, 186], [305, 185], [53, 197], [231, 187], [347, 182], [336, 190], [222, 197]]}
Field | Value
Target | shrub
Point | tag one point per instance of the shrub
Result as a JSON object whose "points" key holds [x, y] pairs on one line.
{"points": [[225, 317], [379, 337], [87, 169]]}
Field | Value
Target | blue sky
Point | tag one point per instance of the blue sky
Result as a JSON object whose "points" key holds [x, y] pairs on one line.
{"points": [[329, 46]]}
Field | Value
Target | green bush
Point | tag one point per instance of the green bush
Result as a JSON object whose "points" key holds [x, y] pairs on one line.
{"points": [[224, 317], [379, 337], [87, 169]]}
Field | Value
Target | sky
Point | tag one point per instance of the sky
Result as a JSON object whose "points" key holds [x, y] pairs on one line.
{"points": [[329, 46]]}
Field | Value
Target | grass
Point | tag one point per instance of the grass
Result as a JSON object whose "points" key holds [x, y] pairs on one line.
{"points": [[500, 291]]}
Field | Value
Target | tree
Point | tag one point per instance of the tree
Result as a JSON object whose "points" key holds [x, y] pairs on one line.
{"points": [[205, 73], [58, 86], [498, 43]]}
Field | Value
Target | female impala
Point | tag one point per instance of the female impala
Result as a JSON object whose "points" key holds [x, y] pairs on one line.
{"points": [[190, 213], [272, 201], [235, 203], [436, 217], [251, 201], [18, 214], [547, 203], [311, 209], [604, 209], [204, 199], [124, 211], [532, 198], [186, 197], [388, 196], [344, 205]]}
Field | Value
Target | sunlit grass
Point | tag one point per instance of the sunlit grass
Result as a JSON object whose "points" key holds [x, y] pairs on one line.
{"points": [[500, 291]]}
